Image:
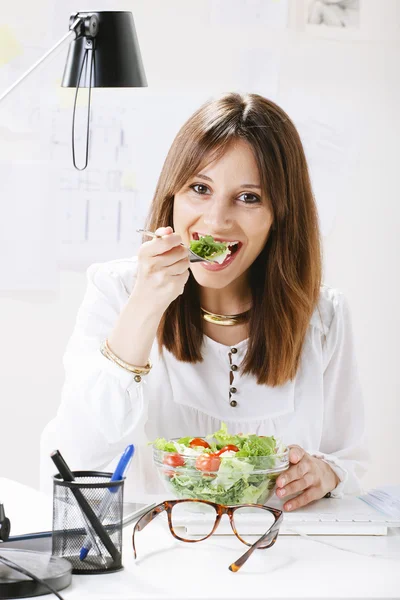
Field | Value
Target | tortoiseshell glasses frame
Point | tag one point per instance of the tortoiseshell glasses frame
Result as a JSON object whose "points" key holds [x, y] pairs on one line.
{"points": [[267, 540]]}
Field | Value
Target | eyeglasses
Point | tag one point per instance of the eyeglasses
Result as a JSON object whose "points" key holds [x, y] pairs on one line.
{"points": [[241, 517]]}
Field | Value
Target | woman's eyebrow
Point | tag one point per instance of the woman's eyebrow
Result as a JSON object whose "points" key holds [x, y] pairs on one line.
{"points": [[248, 185]]}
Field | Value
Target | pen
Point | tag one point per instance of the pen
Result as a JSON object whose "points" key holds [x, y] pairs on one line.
{"points": [[67, 475], [118, 474], [84, 505]]}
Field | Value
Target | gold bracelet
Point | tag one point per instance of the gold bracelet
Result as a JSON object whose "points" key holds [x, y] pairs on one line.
{"points": [[137, 371], [108, 353], [133, 369]]}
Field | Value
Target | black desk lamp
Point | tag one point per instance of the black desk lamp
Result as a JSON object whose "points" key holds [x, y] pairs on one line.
{"points": [[104, 53]]}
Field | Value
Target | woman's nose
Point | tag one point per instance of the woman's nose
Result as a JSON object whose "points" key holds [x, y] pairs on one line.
{"points": [[217, 216]]}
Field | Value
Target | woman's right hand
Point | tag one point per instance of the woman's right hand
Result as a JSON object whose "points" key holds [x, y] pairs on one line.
{"points": [[163, 268]]}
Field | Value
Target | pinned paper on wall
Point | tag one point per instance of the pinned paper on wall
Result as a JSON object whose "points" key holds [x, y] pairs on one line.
{"points": [[257, 71], [66, 96], [268, 14], [10, 47], [28, 258], [328, 153], [343, 14], [19, 111], [99, 209], [16, 145], [330, 147], [349, 20]]}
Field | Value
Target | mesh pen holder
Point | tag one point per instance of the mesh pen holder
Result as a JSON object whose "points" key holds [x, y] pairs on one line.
{"points": [[93, 522]]}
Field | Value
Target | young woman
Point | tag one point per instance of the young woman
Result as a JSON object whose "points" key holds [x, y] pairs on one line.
{"points": [[256, 342]]}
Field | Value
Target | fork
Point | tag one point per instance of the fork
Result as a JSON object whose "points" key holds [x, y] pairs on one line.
{"points": [[193, 257]]}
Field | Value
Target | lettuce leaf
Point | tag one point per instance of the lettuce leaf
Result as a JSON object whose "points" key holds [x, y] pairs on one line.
{"points": [[224, 438], [253, 493], [207, 247], [231, 470], [253, 445], [241, 492], [185, 441], [163, 444], [250, 446]]}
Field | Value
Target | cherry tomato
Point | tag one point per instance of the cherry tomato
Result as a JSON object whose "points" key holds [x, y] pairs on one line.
{"points": [[174, 460], [206, 475], [199, 442], [208, 462], [231, 447], [169, 473]]}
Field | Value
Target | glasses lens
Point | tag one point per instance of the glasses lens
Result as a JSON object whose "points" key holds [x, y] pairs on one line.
{"points": [[193, 519], [252, 522]]}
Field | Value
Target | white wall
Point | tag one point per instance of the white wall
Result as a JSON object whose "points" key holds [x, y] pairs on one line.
{"points": [[356, 83]]}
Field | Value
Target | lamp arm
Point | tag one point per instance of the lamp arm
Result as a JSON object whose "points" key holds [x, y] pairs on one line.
{"points": [[72, 33]]}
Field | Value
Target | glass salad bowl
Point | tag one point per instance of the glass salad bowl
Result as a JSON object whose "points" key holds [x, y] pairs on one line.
{"points": [[219, 475]]}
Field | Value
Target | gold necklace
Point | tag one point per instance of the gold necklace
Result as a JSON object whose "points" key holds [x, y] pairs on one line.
{"points": [[225, 319]]}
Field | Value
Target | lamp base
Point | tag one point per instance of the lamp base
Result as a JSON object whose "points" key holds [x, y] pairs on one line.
{"points": [[53, 570]]}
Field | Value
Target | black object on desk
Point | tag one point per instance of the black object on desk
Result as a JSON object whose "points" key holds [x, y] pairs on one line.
{"points": [[51, 573], [24, 573], [5, 525], [76, 499]]}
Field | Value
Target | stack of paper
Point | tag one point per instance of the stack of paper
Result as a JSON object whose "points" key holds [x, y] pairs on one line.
{"points": [[29, 510], [385, 499]]}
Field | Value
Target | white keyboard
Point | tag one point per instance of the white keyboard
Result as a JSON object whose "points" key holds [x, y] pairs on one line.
{"points": [[328, 516]]}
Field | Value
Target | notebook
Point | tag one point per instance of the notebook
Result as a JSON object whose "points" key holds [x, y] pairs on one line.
{"points": [[386, 499], [328, 516]]}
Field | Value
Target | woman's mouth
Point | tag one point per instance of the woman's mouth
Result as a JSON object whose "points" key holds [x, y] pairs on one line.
{"points": [[233, 245]]}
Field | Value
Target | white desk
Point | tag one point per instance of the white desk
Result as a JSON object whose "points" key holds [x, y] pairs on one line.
{"points": [[293, 568]]}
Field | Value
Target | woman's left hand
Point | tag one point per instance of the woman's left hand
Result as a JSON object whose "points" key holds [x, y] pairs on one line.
{"points": [[309, 477]]}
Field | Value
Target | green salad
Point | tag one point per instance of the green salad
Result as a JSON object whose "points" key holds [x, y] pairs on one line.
{"points": [[207, 247], [224, 468]]}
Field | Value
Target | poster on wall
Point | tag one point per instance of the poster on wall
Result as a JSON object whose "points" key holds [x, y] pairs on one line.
{"points": [[262, 14], [334, 18], [344, 14], [349, 20]]}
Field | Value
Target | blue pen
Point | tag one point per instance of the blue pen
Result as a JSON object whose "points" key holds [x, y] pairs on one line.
{"points": [[118, 474]]}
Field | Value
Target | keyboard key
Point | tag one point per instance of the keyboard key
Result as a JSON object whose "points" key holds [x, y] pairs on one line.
{"points": [[299, 517], [361, 518], [327, 518], [380, 518]]}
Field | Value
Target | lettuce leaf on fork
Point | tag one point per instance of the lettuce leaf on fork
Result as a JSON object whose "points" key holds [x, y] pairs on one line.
{"points": [[207, 247]]}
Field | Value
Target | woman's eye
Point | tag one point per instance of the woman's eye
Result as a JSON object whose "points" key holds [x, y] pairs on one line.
{"points": [[247, 198], [250, 198], [201, 189]]}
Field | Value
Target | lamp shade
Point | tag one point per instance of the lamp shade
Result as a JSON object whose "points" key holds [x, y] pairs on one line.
{"points": [[117, 59]]}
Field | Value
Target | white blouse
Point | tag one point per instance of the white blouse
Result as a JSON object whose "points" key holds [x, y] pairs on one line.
{"points": [[103, 409]]}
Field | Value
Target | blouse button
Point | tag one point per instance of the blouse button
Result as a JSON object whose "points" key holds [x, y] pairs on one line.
{"points": [[233, 390], [137, 378], [234, 368], [233, 350], [233, 403]]}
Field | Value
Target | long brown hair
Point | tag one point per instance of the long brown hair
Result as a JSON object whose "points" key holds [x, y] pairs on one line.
{"points": [[285, 278]]}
